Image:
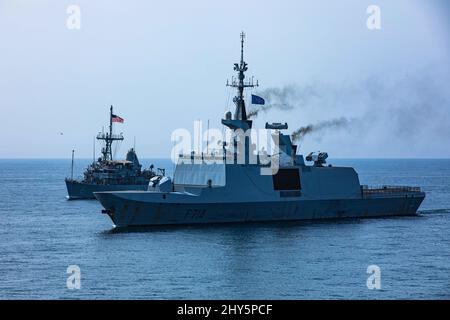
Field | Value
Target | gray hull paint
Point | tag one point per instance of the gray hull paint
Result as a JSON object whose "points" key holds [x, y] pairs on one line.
{"points": [[77, 190], [140, 213]]}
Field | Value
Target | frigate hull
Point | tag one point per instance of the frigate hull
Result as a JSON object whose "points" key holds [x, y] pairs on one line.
{"points": [[80, 190], [127, 212]]}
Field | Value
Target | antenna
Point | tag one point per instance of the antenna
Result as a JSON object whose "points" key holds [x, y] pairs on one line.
{"points": [[93, 151], [134, 143], [110, 132], [242, 46], [207, 138], [199, 138], [71, 170]]}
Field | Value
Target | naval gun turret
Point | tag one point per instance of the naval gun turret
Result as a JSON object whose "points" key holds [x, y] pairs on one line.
{"points": [[318, 158]]}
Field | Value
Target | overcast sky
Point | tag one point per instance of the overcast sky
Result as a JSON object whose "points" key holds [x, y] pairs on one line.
{"points": [[164, 64]]}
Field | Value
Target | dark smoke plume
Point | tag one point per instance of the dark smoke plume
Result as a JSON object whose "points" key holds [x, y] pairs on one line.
{"points": [[285, 98], [411, 110], [300, 133]]}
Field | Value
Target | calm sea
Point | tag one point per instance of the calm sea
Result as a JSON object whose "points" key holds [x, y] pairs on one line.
{"points": [[41, 234]]}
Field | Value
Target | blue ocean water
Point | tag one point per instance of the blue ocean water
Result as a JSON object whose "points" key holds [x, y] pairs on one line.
{"points": [[41, 234]]}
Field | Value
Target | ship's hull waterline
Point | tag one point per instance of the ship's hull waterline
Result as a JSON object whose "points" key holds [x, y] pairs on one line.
{"points": [[141, 213]]}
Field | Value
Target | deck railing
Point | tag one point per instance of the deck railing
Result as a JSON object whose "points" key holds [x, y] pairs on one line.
{"points": [[387, 189]]}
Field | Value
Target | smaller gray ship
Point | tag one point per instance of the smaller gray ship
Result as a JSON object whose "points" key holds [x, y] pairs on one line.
{"points": [[107, 174]]}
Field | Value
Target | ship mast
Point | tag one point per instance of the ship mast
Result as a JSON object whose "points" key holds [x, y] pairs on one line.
{"points": [[240, 123], [109, 138], [240, 120], [241, 68]]}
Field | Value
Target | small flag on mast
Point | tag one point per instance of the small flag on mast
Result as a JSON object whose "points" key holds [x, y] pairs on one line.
{"points": [[257, 100], [115, 118]]}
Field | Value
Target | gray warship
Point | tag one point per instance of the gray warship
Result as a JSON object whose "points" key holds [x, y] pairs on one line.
{"points": [[228, 187], [107, 174]]}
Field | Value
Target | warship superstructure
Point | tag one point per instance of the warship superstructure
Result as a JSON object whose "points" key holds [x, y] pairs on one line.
{"points": [[230, 187], [107, 174]]}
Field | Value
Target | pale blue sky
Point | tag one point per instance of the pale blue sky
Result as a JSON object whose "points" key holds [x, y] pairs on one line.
{"points": [[163, 64]]}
